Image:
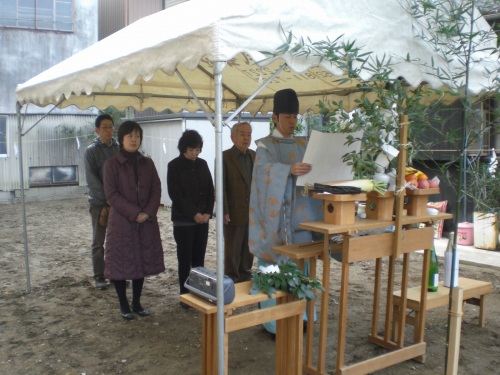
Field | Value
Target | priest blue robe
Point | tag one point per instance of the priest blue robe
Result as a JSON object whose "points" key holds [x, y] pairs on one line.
{"points": [[277, 205]]}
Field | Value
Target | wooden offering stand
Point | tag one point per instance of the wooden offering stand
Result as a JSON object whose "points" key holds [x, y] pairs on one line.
{"points": [[417, 200], [380, 206], [362, 248], [406, 238], [340, 208]]}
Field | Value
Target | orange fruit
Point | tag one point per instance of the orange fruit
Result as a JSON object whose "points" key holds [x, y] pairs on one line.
{"points": [[422, 176], [411, 177]]}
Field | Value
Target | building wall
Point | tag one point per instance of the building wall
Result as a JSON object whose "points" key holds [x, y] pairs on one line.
{"points": [[112, 17], [116, 14], [26, 53], [139, 9]]}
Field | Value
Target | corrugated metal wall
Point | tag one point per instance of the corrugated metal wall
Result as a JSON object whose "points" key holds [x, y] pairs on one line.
{"points": [[54, 145], [139, 9], [171, 3], [112, 17], [116, 14]]}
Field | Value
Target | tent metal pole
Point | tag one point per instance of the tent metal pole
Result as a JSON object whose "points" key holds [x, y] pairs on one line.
{"points": [[45, 115], [218, 67], [251, 97], [200, 104], [23, 204]]}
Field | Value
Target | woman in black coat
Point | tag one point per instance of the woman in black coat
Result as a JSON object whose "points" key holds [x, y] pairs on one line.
{"points": [[191, 189]]}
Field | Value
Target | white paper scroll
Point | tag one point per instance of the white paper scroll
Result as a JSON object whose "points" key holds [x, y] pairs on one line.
{"points": [[324, 151]]}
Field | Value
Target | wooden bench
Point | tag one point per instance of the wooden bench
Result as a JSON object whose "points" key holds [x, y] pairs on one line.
{"points": [[474, 292], [309, 251], [289, 325]]}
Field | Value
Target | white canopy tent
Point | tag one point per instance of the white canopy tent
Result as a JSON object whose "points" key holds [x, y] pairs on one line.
{"points": [[209, 55], [140, 65]]}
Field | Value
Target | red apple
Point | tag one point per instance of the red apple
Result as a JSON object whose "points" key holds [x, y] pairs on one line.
{"points": [[434, 183], [423, 184]]}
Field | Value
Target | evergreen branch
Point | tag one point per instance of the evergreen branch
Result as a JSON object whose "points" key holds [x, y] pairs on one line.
{"points": [[290, 279]]}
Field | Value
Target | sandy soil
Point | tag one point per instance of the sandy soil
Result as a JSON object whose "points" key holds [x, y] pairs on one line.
{"points": [[66, 326]]}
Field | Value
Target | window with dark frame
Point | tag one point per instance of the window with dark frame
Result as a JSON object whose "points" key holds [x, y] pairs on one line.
{"points": [[64, 175], [37, 14]]}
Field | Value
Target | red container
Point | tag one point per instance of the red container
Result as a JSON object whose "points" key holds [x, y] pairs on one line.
{"points": [[465, 234]]}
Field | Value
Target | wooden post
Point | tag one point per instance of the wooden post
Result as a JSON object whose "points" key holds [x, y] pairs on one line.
{"points": [[400, 182], [398, 237], [457, 297], [376, 296]]}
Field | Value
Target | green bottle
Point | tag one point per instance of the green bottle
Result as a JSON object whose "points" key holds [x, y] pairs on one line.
{"points": [[432, 285]]}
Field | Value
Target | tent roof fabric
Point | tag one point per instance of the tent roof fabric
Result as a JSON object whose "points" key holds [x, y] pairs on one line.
{"points": [[136, 65]]}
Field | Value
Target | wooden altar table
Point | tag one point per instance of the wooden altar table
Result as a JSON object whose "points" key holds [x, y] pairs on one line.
{"points": [[288, 314], [360, 248]]}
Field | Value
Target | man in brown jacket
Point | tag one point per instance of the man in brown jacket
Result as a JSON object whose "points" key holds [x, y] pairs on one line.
{"points": [[237, 177]]}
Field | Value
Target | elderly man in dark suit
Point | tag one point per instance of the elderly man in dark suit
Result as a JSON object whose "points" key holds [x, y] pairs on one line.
{"points": [[237, 177]]}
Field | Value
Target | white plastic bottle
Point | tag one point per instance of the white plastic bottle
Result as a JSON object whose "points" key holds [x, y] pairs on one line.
{"points": [[450, 267]]}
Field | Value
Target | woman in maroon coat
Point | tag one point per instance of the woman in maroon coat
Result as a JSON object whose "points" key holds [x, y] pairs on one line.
{"points": [[133, 243]]}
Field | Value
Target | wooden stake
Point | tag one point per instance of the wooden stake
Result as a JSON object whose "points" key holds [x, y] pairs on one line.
{"points": [[457, 296]]}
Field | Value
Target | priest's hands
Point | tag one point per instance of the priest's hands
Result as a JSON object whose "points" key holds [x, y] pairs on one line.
{"points": [[299, 169]]}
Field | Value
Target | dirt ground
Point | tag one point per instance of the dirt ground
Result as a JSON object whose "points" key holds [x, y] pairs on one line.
{"points": [[66, 326]]}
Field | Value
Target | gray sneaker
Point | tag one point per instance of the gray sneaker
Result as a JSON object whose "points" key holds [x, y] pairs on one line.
{"points": [[100, 283]]}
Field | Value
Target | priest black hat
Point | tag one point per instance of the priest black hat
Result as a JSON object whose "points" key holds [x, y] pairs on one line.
{"points": [[286, 101]]}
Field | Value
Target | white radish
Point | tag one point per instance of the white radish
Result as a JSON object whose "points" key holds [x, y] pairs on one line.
{"points": [[364, 184]]}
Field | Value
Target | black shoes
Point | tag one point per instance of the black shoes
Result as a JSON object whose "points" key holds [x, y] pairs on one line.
{"points": [[142, 312], [100, 283], [138, 309], [127, 315]]}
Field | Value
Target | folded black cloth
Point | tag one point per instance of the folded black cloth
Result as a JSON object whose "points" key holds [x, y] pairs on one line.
{"points": [[334, 189]]}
